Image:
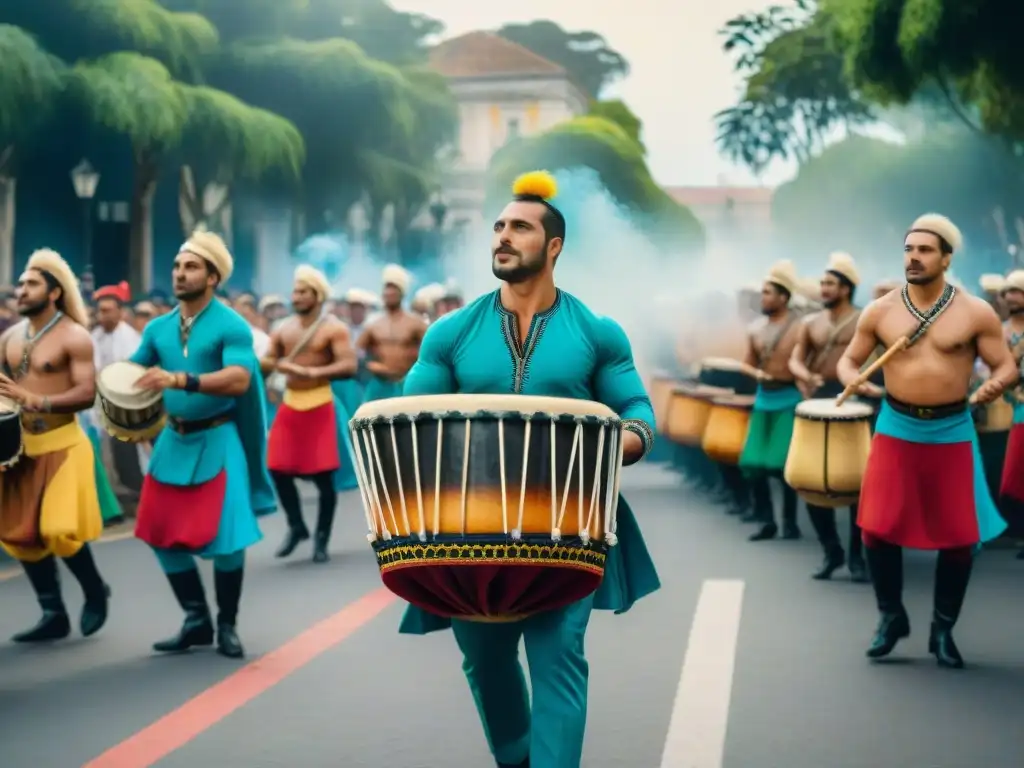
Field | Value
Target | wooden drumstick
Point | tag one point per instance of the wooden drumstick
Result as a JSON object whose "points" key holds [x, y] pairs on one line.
{"points": [[901, 344]]}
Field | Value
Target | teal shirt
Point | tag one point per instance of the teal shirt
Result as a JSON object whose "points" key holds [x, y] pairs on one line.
{"points": [[219, 338], [569, 352]]}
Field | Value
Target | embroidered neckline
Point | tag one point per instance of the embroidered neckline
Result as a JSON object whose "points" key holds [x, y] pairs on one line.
{"points": [[522, 353], [928, 317]]}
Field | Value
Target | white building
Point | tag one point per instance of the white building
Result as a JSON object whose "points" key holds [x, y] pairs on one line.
{"points": [[503, 90]]}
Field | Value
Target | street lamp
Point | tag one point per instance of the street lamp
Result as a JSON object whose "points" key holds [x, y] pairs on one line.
{"points": [[86, 179]]}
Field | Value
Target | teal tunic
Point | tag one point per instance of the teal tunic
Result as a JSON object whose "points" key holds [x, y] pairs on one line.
{"points": [[570, 352], [220, 338]]}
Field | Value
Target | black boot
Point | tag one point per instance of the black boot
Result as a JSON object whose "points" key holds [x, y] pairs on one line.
{"points": [[292, 506], [823, 520], [790, 530], [952, 574], [739, 495], [763, 512], [197, 629], [325, 517], [855, 563], [228, 585], [886, 564], [95, 591], [54, 624]]}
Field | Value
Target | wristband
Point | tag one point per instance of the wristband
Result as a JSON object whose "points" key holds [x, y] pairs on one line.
{"points": [[191, 382]]}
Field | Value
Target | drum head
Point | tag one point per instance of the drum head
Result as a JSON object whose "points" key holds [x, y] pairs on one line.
{"points": [[441, 405], [116, 384], [825, 409], [721, 364], [735, 401]]}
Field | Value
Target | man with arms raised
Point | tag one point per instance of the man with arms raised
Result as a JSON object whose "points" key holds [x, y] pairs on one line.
{"points": [[924, 487], [48, 502], [309, 435], [822, 340], [392, 341], [207, 479], [530, 338]]}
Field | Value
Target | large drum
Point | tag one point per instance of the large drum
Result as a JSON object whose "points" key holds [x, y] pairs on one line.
{"points": [[726, 373], [829, 451], [726, 430], [661, 396], [11, 444], [689, 410], [489, 507], [128, 413]]}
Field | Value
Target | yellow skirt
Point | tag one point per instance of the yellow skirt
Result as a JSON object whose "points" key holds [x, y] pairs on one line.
{"points": [[48, 500]]}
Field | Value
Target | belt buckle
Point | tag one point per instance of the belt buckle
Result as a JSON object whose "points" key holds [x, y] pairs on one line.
{"points": [[925, 414], [177, 425]]}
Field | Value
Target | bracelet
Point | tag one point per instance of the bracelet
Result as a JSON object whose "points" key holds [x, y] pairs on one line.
{"points": [[191, 382]]}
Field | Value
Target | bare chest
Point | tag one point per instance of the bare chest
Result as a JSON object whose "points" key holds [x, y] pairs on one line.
{"points": [[951, 333], [395, 332], [294, 335], [46, 356]]}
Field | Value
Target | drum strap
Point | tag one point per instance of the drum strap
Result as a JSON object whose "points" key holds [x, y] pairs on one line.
{"points": [[930, 315], [307, 337], [772, 342], [833, 337]]}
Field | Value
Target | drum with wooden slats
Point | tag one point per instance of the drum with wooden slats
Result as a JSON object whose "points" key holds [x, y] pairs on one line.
{"points": [[689, 410], [128, 413], [726, 430], [489, 507]]}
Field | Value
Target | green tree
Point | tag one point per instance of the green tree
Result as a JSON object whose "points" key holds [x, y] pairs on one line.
{"points": [[602, 145], [796, 95], [616, 111], [31, 81], [586, 56]]}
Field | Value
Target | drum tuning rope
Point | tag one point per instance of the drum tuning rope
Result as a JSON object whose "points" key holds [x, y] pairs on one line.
{"points": [[398, 473], [416, 474], [366, 488], [556, 532], [375, 453], [465, 474], [595, 496], [437, 474], [517, 532], [501, 470]]}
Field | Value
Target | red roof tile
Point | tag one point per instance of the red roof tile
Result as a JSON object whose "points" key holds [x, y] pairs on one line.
{"points": [[485, 54]]}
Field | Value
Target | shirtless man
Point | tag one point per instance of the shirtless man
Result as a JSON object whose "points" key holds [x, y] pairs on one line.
{"points": [[920, 488], [1011, 491], [822, 339], [392, 341], [309, 434], [764, 454], [49, 372]]}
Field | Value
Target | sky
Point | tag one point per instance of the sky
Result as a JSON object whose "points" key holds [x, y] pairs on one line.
{"points": [[680, 77]]}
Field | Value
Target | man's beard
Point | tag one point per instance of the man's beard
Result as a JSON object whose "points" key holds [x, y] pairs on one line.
{"points": [[31, 310], [831, 303], [188, 294], [1015, 310], [304, 311], [526, 268]]}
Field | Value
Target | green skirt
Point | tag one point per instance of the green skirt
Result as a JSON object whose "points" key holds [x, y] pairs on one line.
{"points": [[768, 438], [110, 507]]}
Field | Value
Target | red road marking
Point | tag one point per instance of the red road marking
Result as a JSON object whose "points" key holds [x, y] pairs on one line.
{"points": [[176, 729]]}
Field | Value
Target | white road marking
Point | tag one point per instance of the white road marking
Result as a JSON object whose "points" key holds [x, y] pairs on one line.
{"points": [[700, 715]]}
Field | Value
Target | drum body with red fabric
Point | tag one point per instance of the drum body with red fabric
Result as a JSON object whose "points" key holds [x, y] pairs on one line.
{"points": [[489, 508]]}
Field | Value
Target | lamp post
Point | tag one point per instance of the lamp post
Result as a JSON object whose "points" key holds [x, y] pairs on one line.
{"points": [[86, 179]]}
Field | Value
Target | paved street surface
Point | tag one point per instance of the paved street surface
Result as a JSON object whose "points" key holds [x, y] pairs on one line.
{"points": [[330, 684]]}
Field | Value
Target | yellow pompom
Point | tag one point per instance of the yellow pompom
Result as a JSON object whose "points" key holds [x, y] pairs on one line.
{"points": [[536, 183]]}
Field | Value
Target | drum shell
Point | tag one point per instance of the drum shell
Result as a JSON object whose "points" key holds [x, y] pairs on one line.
{"points": [[661, 398], [11, 444], [132, 424], [997, 416], [726, 432], [737, 381], [827, 459], [688, 413]]}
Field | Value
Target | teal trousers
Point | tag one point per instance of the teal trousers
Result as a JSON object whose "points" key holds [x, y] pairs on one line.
{"points": [[550, 731]]}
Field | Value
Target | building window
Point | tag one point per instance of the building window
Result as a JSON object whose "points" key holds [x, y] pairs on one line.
{"points": [[512, 129]]}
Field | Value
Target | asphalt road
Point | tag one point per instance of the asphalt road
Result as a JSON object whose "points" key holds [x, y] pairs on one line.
{"points": [[351, 692]]}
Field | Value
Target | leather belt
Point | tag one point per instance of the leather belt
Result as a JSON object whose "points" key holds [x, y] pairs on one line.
{"points": [[183, 427], [926, 412]]}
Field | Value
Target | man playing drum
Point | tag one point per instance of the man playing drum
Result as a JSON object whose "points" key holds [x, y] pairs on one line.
{"points": [[923, 485], [1011, 491], [770, 346], [392, 341], [822, 340], [531, 338], [310, 430], [211, 458], [49, 507]]}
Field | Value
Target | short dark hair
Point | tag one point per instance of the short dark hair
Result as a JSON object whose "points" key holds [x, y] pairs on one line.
{"points": [[52, 284], [844, 280], [781, 289], [553, 221]]}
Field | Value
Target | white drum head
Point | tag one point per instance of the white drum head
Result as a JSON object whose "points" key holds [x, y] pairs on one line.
{"points": [[825, 409], [116, 384], [441, 404], [721, 364], [8, 406], [735, 401]]}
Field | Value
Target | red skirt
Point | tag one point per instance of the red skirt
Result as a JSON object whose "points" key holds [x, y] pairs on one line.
{"points": [[919, 495], [180, 516], [304, 442], [1011, 489]]}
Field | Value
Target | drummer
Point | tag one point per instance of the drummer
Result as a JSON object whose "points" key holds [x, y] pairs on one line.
{"points": [[992, 290], [920, 488], [211, 457], [528, 337], [309, 434], [49, 371], [822, 340], [1011, 492], [391, 341], [770, 345]]}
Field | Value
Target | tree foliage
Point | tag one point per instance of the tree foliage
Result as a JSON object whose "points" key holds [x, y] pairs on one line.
{"points": [[795, 93], [586, 56], [595, 142], [616, 111], [32, 81]]}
